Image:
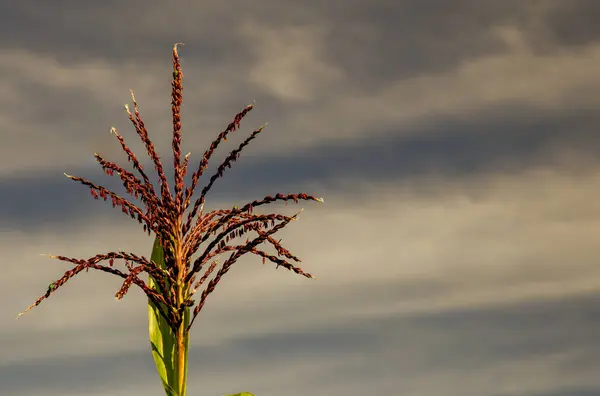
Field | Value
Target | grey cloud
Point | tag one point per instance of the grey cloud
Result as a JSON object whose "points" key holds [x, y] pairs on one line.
{"points": [[114, 30], [573, 391], [498, 140], [375, 41], [555, 24], [396, 353], [448, 289], [47, 98]]}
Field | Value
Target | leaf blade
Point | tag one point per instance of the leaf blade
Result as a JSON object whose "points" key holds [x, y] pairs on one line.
{"points": [[162, 338], [241, 394]]}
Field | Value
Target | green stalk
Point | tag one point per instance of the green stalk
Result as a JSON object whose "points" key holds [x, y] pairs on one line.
{"points": [[168, 349], [182, 337], [182, 348]]}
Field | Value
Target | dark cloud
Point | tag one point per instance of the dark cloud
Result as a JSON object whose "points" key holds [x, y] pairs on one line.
{"points": [[374, 41], [75, 374], [393, 40], [519, 331], [508, 140], [571, 391], [376, 44], [73, 31], [408, 348], [564, 24]]}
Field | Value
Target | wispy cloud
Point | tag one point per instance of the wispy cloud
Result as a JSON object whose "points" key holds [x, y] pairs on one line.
{"points": [[456, 148]]}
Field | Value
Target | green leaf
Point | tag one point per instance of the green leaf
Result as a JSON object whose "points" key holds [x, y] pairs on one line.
{"points": [[162, 338], [241, 394]]}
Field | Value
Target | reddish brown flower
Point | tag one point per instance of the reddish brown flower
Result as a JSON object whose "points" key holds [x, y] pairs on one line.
{"points": [[167, 216]]}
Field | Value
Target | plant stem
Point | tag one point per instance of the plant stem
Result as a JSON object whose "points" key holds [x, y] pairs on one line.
{"points": [[181, 359], [181, 296]]}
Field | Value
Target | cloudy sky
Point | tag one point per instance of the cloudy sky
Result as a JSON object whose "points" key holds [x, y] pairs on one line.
{"points": [[456, 145]]}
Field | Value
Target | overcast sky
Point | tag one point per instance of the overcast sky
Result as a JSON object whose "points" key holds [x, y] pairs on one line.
{"points": [[456, 145]]}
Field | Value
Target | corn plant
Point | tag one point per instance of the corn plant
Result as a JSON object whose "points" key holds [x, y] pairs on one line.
{"points": [[178, 268]]}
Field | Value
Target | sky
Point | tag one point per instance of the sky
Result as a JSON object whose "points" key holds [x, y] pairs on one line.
{"points": [[456, 146]]}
